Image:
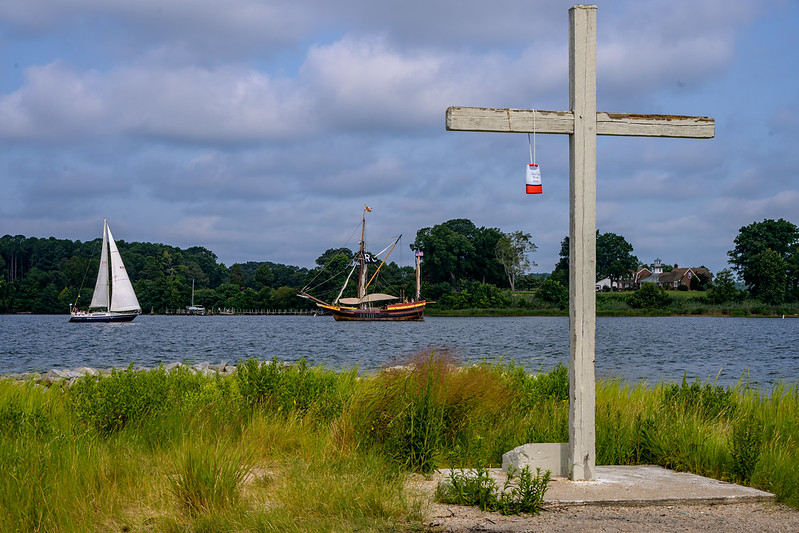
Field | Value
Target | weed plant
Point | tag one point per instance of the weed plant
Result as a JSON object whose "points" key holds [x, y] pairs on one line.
{"points": [[478, 488]]}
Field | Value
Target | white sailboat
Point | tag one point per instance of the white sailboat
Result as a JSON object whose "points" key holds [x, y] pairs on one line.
{"points": [[114, 299], [194, 309]]}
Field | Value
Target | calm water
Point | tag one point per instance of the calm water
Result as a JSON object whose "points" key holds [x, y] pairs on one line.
{"points": [[635, 348]]}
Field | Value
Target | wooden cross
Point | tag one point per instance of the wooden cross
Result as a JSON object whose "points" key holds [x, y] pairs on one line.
{"points": [[582, 124]]}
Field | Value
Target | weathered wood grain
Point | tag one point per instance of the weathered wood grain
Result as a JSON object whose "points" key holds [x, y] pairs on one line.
{"points": [[507, 120]]}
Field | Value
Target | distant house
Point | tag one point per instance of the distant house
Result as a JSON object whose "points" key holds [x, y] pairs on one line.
{"points": [[654, 274], [634, 281], [676, 277], [668, 280], [604, 285], [682, 276]]}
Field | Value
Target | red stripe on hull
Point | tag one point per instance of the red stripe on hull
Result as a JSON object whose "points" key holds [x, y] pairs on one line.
{"points": [[396, 312]]}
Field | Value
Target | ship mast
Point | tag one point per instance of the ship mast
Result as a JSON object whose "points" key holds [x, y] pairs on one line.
{"points": [[419, 255], [361, 260]]}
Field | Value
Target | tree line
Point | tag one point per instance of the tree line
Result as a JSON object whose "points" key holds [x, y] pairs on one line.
{"points": [[46, 275], [464, 266]]}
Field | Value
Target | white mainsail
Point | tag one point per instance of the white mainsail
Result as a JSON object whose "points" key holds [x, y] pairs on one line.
{"points": [[123, 298], [100, 297]]}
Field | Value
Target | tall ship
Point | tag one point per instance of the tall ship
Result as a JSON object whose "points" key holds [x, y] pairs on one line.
{"points": [[366, 305], [114, 299]]}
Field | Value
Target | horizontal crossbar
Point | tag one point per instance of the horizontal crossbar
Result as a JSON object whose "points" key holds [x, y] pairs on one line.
{"points": [[562, 122]]}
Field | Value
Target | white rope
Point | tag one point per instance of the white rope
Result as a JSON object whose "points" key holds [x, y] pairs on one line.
{"points": [[532, 143]]}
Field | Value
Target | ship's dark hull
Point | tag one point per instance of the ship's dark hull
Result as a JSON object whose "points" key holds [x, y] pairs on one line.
{"points": [[396, 312], [103, 317]]}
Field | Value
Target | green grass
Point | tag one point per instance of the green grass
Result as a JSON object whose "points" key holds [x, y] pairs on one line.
{"points": [[299, 448], [681, 303]]}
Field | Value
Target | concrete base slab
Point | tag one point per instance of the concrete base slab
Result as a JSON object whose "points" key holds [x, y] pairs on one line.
{"points": [[641, 486]]}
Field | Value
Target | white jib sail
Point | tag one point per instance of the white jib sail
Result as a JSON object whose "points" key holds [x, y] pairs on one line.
{"points": [[100, 297], [122, 296]]}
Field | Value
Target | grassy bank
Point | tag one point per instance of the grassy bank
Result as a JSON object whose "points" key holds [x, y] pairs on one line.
{"points": [[677, 303], [277, 447]]}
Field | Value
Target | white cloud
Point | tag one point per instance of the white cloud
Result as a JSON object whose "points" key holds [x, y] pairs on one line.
{"points": [[742, 211], [55, 104]]}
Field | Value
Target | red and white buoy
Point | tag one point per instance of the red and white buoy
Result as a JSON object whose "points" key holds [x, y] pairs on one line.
{"points": [[533, 179]]}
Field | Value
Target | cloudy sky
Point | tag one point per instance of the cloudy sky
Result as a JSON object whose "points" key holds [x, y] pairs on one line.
{"points": [[259, 129]]}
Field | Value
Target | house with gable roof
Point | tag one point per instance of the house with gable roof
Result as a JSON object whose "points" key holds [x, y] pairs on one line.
{"points": [[635, 279], [676, 277], [668, 280]]}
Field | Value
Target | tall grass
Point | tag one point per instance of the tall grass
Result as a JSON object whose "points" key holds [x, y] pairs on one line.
{"points": [[739, 434], [208, 476], [299, 448], [432, 412]]}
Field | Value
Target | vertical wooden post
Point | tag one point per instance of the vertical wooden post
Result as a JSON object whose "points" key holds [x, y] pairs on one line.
{"points": [[582, 242]]}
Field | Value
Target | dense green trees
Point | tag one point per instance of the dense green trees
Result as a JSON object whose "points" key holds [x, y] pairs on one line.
{"points": [[766, 258], [457, 252], [723, 288], [47, 275], [614, 258]]}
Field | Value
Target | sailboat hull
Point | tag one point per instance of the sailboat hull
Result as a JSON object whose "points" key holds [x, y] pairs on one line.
{"points": [[396, 312], [102, 317]]}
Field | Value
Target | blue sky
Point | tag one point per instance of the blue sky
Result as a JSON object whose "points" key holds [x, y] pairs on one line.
{"points": [[259, 129]]}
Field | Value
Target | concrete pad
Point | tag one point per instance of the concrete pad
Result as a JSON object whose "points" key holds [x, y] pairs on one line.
{"points": [[632, 486], [648, 485]]}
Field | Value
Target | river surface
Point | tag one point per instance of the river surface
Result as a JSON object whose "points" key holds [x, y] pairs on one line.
{"points": [[646, 348]]}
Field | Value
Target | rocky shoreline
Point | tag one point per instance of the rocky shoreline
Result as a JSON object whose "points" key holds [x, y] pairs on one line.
{"points": [[66, 376]]}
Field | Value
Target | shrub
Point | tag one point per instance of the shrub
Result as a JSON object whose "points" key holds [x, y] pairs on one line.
{"points": [[708, 401], [111, 402], [649, 296], [476, 487], [18, 421], [476, 295], [553, 291], [532, 388], [479, 488], [293, 388], [745, 446]]}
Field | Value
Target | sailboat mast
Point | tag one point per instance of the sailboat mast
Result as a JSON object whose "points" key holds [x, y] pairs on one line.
{"points": [[419, 255], [107, 267], [361, 260]]}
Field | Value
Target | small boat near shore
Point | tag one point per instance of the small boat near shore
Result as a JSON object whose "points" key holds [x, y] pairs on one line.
{"points": [[362, 307], [114, 299], [194, 309]]}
